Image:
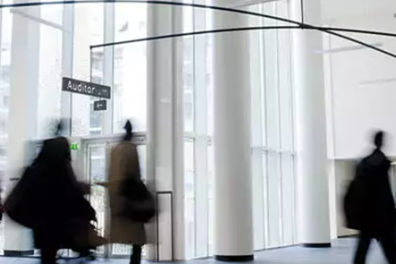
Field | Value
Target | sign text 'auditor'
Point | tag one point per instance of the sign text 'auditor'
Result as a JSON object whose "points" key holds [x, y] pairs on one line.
{"points": [[85, 88]]}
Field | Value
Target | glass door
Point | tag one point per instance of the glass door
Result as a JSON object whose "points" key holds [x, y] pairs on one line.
{"points": [[97, 165], [97, 172]]}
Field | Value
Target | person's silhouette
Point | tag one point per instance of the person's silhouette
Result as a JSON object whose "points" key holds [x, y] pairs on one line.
{"points": [[369, 204]]}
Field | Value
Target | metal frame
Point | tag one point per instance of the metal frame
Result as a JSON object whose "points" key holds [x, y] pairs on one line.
{"points": [[157, 194]]}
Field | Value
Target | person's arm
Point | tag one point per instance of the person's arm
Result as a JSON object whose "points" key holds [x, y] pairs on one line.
{"points": [[103, 184]]}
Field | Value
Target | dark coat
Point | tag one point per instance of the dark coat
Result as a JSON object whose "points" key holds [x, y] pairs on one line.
{"points": [[58, 197], [369, 203]]}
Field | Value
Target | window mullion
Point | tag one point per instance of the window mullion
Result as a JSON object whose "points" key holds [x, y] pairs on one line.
{"points": [[108, 65], [200, 127]]}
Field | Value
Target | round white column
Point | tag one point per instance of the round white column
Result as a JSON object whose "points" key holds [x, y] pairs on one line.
{"points": [[313, 217], [233, 186]]}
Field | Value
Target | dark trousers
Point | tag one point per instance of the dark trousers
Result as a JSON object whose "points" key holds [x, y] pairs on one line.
{"points": [[48, 255], [386, 241], [136, 256]]}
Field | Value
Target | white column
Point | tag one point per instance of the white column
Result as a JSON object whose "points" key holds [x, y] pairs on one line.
{"points": [[23, 118], [165, 130], [233, 185], [312, 176]]}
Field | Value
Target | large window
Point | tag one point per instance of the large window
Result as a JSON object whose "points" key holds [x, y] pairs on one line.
{"points": [[50, 72], [272, 130], [197, 82], [130, 66], [88, 30]]}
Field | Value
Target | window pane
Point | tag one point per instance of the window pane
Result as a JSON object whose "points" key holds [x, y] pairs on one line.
{"points": [[189, 189], [89, 31], [188, 70], [274, 201], [130, 67], [50, 74], [211, 199], [52, 13], [271, 89], [288, 198], [258, 202], [97, 159]]}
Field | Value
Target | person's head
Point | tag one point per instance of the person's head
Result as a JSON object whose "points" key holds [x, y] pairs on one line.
{"points": [[128, 131], [378, 139], [59, 127]]}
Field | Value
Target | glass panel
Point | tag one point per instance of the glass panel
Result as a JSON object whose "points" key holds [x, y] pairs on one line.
{"points": [[89, 31], [142, 151], [97, 173], [271, 89], [274, 201], [130, 71], [288, 219], [211, 199], [189, 189], [52, 13], [266, 199], [188, 71], [258, 202], [50, 74]]}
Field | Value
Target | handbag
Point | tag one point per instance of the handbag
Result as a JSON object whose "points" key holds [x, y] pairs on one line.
{"points": [[139, 203]]}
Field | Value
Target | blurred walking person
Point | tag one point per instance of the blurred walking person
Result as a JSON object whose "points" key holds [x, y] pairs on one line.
{"points": [[49, 200], [369, 205], [131, 204]]}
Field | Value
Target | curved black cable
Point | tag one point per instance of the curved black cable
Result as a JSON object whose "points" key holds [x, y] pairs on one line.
{"points": [[218, 8], [194, 33], [189, 34]]}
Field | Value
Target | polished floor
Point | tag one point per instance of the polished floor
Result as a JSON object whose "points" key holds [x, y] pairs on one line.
{"points": [[340, 253]]}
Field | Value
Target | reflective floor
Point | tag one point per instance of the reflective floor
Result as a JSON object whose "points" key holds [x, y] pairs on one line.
{"points": [[340, 253]]}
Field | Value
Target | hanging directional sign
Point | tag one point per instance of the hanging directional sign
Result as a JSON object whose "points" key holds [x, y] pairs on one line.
{"points": [[100, 105], [86, 88]]}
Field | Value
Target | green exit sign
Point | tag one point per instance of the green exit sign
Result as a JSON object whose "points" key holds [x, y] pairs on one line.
{"points": [[74, 146]]}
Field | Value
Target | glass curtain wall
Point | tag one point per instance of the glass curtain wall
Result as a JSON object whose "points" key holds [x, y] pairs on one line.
{"points": [[66, 33], [197, 77], [272, 132], [63, 35]]}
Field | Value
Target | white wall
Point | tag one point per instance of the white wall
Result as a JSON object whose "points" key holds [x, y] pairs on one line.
{"points": [[342, 174], [361, 87], [340, 8]]}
